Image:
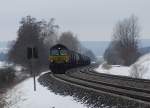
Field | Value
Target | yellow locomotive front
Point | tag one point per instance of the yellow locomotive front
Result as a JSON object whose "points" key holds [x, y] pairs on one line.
{"points": [[58, 56]]}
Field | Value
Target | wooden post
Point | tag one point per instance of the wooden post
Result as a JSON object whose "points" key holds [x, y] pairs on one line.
{"points": [[34, 81], [32, 53], [33, 73]]}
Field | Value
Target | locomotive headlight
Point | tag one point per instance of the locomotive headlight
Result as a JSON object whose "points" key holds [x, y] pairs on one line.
{"points": [[66, 60]]}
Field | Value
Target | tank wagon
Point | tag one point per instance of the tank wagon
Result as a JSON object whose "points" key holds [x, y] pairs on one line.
{"points": [[61, 59]]}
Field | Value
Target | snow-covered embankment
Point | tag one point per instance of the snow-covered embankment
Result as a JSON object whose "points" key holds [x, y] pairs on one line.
{"points": [[140, 69]]}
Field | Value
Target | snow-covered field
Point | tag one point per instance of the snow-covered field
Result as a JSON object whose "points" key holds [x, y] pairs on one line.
{"points": [[4, 50], [23, 96], [2, 64], [142, 66], [140, 69], [116, 70]]}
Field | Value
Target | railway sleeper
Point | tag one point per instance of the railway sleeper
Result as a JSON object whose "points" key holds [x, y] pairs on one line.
{"points": [[134, 95]]}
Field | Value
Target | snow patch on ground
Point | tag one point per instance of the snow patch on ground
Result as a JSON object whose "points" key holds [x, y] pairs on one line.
{"points": [[140, 69], [142, 66], [4, 50], [2, 64], [115, 70], [23, 96]]}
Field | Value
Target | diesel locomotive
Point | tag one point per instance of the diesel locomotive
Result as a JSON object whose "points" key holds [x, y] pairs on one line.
{"points": [[61, 59]]}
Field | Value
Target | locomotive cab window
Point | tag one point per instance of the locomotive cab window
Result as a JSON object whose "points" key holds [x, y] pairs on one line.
{"points": [[54, 52], [57, 52]]}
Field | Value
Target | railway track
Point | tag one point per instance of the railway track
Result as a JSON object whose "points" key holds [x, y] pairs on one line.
{"points": [[86, 79], [90, 71], [119, 80]]}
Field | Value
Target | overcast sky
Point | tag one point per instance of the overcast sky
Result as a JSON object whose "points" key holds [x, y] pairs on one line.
{"points": [[88, 19]]}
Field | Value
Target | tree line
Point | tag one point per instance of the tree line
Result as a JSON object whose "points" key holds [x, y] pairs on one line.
{"points": [[43, 35]]}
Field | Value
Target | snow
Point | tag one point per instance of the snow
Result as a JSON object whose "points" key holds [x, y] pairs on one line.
{"points": [[143, 66], [140, 69], [4, 50], [2, 64], [23, 96], [115, 70]]}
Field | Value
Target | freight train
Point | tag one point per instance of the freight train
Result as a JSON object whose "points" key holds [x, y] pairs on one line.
{"points": [[61, 59]]}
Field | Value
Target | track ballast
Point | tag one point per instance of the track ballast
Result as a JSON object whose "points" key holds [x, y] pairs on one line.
{"points": [[114, 85]]}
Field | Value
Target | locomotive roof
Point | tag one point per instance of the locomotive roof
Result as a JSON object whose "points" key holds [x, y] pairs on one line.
{"points": [[59, 46]]}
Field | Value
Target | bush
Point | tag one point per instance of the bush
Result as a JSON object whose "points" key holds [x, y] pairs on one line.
{"points": [[137, 71], [106, 66], [7, 75]]}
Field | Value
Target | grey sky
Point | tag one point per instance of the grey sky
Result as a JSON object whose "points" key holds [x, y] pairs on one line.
{"points": [[88, 19]]}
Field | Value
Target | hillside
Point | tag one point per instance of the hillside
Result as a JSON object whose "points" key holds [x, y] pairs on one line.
{"points": [[140, 69], [98, 47]]}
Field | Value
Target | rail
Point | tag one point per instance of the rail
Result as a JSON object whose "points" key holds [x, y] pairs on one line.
{"points": [[85, 78]]}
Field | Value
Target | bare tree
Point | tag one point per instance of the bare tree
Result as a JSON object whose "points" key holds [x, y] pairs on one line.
{"points": [[126, 35], [111, 55], [49, 32], [28, 35], [88, 53], [69, 40]]}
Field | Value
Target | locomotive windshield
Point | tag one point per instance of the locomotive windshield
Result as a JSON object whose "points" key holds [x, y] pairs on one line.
{"points": [[56, 52]]}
